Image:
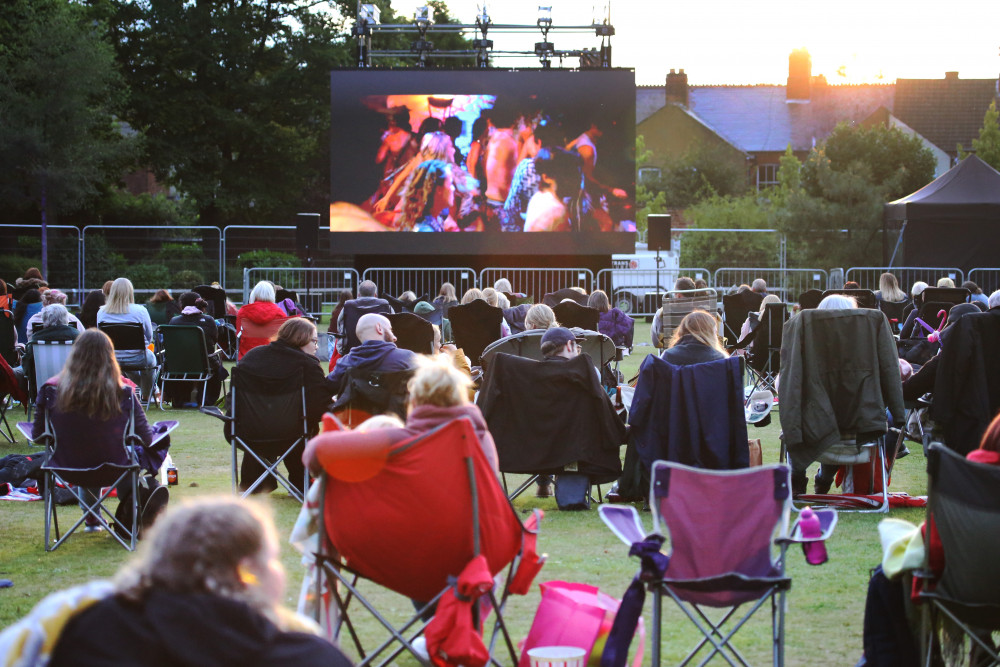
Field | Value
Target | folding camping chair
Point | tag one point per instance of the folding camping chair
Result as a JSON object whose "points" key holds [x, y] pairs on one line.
{"points": [[411, 513], [8, 350], [368, 393], [895, 312], [571, 314], [865, 298], [251, 329], [267, 420], [130, 337], [729, 533], [10, 391], [215, 297], [475, 325], [353, 310], [735, 310], [553, 299], [678, 303], [412, 332], [764, 358], [84, 471], [517, 390], [964, 504], [829, 359], [185, 358], [49, 357]]}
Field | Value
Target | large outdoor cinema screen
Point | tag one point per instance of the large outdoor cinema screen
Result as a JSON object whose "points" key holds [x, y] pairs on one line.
{"points": [[498, 162]]}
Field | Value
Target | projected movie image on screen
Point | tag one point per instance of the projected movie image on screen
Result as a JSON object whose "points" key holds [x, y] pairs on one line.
{"points": [[483, 151]]}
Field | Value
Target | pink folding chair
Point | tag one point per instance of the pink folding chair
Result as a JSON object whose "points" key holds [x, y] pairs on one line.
{"points": [[729, 531]]}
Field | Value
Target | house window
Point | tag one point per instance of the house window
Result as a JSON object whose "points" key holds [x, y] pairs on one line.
{"points": [[767, 176], [649, 175]]}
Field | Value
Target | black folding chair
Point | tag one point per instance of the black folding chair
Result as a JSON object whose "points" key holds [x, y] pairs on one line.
{"points": [[865, 298], [735, 310], [553, 299], [7, 331], [964, 504], [572, 314], [475, 325], [130, 337], [412, 332], [215, 297], [353, 310], [764, 358], [267, 420], [895, 312]]}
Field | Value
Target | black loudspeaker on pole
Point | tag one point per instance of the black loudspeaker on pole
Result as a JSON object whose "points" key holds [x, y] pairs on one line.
{"points": [[659, 226], [306, 234]]}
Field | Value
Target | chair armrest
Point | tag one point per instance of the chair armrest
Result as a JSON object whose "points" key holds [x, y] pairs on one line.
{"points": [[827, 520], [214, 411]]}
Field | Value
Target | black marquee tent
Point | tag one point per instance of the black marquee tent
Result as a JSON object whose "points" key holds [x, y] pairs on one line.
{"points": [[952, 221]]}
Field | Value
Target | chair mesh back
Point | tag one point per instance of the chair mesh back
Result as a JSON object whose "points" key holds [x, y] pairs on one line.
{"points": [[965, 503], [767, 340], [679, 304], [184, 348], [267, 410], [412, 332], [49, 358], [352, 313], [720, 522], [215, 297]]}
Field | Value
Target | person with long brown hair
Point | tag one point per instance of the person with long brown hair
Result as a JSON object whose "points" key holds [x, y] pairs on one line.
{"points": [[431, 191], [89, 405]]}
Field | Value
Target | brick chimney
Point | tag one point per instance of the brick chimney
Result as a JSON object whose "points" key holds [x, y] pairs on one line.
{"points": [[677, 88], [951, 76], [799, 74]]}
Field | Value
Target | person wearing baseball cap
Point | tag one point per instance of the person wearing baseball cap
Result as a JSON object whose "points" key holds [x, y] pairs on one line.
{"points": [[560, 342]]}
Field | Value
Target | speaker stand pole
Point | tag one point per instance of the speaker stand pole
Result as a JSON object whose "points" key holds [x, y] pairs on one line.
{"points": [[309, 263]]}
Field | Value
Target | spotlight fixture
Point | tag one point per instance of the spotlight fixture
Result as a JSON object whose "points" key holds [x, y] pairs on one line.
{"points": [[369, 13], [483, 19], [423, 16], [544, 15]]}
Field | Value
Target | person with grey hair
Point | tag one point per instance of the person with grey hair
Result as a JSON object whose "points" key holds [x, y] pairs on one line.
{"points": [[55, 319], [759, 285], [48, 298], [994, 301], [368, 301]]}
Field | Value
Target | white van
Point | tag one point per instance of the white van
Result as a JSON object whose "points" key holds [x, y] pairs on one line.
{"points": [[635, 277]]}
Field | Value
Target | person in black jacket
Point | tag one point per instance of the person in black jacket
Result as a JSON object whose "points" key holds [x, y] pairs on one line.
{"points": [[294, 349], [695, 340], [193, 309], [207, 592]]}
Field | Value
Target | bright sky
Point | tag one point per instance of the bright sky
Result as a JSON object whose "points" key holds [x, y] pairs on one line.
{"points": [[746, 41]]}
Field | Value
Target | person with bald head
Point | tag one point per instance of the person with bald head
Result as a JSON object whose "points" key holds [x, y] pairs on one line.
{"points": [[377, 352]]}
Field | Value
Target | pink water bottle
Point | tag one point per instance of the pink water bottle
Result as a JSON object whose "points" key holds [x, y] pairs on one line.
{"points": [[811, 528]]}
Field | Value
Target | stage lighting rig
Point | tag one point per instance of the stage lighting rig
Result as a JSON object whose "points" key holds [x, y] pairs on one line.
{"points": [[368, 27]]}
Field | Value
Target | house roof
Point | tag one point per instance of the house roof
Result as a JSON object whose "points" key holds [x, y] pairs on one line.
{"points": [[946, 111], [759, 119]]}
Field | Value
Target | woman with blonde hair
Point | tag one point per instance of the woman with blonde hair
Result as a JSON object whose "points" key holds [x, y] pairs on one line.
{"points": [[889, 290], [446, 296], [433, 146], [471, 295], [540, 316], [754, 317], [696, 340], [430, 193], [206, 589], [121, 308], [439, 393]]}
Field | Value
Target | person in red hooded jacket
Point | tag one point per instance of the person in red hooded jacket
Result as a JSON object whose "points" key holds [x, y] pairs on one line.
{"points": [[260, 310]]}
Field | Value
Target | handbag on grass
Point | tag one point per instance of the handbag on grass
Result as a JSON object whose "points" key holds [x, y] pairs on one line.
{"points": [[573, 614]]}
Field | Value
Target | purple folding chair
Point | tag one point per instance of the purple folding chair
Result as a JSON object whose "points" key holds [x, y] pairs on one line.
{"points": [[729, 531]]}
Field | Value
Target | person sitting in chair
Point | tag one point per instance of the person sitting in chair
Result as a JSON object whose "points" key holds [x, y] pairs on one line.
{"points": [[696, 340], [377, 352]]}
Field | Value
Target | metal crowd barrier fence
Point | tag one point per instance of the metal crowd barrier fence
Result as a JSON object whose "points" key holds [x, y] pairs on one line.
{"points": [[316, 287], [639, 292], [867, 276], [422, 281], [537, 282], [988, 280], [151, 256], [21, 246], [787, 284]]}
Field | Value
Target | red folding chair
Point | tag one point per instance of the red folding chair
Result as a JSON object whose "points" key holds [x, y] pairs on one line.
{"points": [[422, 516]]}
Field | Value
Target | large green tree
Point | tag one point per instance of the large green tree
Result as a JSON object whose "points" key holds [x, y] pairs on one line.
{"points": [[830, 206], [233, 98], [59, 94], [987, 145]]}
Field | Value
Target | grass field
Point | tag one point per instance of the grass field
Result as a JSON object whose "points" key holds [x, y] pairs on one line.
{"points": [[825, 605]]}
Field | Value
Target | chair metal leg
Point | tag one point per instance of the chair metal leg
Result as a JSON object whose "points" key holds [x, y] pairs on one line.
{"points": [[657, 620]]}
